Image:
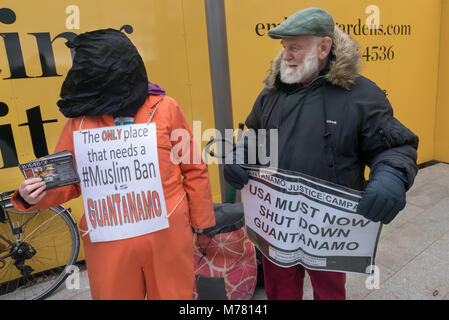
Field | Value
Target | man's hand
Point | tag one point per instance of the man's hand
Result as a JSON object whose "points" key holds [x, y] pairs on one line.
{"points": [[235, 175], [384, 196], [32, 190]]}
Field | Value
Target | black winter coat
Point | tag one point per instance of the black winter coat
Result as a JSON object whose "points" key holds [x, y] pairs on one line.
{"points": [[337, 125]]}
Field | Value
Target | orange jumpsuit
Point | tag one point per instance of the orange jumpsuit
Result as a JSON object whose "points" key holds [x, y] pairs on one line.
{"points": [[157, 265]]}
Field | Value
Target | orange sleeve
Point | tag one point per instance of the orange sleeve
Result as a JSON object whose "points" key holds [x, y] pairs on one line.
{"points": [[195, 173], [61, 195]]}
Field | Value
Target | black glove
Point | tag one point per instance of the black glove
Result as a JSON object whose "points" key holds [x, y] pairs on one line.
{"points": [[235, 175], [384, 196], [233, 172]]}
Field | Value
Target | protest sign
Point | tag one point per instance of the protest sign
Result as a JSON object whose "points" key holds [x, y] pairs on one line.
{"points": [[120, 181], [297, 219]]}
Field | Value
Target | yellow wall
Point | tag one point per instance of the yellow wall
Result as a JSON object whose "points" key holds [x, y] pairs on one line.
{"points": [[442, 112], [170, 35], [409, 78]]}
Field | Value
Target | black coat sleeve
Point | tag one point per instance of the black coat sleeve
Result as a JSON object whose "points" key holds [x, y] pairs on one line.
{"points": [[384, 139], [253, 121], [247, 147]]}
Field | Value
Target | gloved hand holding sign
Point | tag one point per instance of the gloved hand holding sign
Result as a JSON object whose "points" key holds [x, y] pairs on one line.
{"points": [[384, 196], [235, 175]]}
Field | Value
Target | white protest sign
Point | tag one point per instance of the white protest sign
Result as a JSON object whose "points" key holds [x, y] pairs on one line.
{"points": [[120, 181], [297, 219]]}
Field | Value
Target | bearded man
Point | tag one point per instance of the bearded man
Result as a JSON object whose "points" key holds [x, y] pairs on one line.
{"points": [[331, 123]]}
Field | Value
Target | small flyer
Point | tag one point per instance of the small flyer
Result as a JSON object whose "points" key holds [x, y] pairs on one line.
{"points": [[57, 170]]}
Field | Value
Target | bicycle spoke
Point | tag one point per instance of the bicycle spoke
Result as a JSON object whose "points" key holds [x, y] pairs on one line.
{"points": [[47, 243], [9, 274]]}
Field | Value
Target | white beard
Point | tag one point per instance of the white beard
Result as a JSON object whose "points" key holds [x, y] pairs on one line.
{"points": [[302, 72]]}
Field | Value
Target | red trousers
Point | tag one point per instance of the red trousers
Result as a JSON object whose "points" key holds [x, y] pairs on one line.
{"points": [[287, 283]]}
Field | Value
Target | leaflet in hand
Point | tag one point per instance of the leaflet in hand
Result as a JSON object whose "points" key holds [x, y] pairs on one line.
{"points": [[57, 170]]}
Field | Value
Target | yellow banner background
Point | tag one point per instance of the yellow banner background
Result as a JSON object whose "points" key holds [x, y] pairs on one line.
{"points": [[410, 34], [170, 35]]}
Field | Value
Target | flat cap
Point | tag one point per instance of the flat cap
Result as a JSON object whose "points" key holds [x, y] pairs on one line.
{"points": [[310, 21]]}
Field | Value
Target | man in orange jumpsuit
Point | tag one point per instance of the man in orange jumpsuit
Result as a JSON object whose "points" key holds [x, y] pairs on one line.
{"points": [[106, 85]]}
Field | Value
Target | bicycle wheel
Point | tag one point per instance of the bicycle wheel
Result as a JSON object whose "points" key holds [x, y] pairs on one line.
{"points": [[37, 256]]}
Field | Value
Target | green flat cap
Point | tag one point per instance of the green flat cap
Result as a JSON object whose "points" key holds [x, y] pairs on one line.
{"points": [[311, 21]]}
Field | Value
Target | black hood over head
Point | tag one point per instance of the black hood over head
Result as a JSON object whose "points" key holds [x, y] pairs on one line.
{"points": [[108, 76]]}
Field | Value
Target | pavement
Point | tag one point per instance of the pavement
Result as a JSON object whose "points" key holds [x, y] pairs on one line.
{"points": [[412, 255]]}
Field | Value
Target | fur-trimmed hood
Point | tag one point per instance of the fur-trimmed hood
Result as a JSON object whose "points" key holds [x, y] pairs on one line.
{"points": [[344, 67]]}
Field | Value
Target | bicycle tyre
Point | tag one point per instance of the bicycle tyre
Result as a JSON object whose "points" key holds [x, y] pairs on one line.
{"points": [[53, 235]]}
